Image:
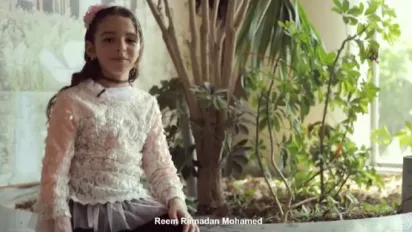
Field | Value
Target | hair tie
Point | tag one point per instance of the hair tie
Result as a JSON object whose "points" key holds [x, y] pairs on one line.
{"points": [[91, 13]]}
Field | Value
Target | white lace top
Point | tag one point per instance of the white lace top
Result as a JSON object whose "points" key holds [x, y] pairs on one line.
{"points": [[101, 148]]}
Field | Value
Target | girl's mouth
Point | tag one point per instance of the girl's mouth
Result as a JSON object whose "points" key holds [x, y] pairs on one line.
{"points": [[120, 59]]}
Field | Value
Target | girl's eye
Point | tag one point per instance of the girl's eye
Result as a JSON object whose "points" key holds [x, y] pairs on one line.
{"points": [[109, 40], [131, 40]]}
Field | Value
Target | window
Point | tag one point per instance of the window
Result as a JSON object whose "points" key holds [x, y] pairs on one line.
{"points": [[394, 77]]}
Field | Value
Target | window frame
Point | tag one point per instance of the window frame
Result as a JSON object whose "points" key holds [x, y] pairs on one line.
{"points": [[374, 117]]}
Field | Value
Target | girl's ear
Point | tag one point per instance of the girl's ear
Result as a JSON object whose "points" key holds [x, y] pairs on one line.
{"points": [[90, 50]]}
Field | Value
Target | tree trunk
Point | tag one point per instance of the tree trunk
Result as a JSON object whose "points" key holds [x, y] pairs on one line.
{"points": [[208, 137], [208, 124]]}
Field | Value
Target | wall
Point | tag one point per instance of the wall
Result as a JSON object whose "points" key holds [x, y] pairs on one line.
{"points": [[156, 65], [43, 61]]}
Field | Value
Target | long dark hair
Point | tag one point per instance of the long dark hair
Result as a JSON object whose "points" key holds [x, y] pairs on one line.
{"points": [[91, 69]]}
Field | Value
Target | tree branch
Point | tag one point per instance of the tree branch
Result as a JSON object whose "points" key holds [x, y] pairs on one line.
{"points": [[241, 12], [157, 15], [193, 43], [172, 32], [204, 44], [332, 73], [233, 21], [229, 48], [258, 155], [272, 153], [218, 50], [215, 53], [156, 11], [240, 16], [170, 39], [230, 15], [214, 17]]}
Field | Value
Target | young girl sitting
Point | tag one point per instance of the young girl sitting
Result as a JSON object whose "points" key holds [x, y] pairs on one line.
{"points": [[107, 166]]}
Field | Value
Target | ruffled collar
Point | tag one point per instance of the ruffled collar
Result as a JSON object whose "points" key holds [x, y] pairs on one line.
{"points": [[116, 93]]}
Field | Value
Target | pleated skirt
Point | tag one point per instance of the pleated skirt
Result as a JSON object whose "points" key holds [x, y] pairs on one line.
{"points": [[114, 217]]}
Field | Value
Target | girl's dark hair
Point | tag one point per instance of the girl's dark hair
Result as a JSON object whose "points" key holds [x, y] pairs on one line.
{"points": [[91, 69]]}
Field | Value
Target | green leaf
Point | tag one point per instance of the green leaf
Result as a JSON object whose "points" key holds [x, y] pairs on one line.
{"points": [[276, 123], [329, 58], [361, 7], [374, 18], [337, 10], [355, 11], [373, 6], [345, 5], [381, 136], [262, 32], [242, 143], [408, 125], [401, 133], [337, 3], [360, 28], [300, 179], [263, 123]]}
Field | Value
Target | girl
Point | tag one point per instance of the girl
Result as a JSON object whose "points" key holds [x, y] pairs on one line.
{"points": [[105, 141]]}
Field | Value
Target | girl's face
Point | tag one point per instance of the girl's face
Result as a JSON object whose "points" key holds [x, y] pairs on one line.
{"points": [[116, 46]]}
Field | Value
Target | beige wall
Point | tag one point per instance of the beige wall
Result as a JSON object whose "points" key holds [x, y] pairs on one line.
{"points": [[332, 31], [156, 64]]}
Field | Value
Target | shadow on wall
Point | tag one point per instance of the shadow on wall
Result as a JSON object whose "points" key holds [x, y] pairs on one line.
{"points": [[41, 45], [39, 52]]}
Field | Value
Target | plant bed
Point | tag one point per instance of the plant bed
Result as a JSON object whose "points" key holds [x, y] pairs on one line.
{"points": [[250, 198], [253, 201]]}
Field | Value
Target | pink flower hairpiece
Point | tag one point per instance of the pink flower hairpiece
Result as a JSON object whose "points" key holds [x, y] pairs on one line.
{"points": [[91, 13]]}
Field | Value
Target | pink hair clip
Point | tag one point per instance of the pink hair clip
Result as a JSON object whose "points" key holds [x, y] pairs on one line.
{"points": [[91, 13]]}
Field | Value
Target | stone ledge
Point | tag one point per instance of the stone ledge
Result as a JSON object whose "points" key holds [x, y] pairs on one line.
{"points": [[17, 220], [395, 223]]}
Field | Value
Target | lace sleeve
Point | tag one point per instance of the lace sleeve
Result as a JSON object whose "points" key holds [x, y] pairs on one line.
{"points": [[159, 168], [59, 151]]}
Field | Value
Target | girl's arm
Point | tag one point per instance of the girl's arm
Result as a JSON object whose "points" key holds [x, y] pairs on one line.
{"points": [[54, 191], [157, 162]]}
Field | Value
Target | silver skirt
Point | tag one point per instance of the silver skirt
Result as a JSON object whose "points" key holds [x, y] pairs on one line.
{"points": [[113, 217], [108, 217]]}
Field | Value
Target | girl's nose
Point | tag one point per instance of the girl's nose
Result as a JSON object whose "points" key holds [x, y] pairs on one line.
{"points": [[122, 45]]}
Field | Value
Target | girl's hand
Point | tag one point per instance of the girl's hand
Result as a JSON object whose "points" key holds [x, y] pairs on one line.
{"points": [[178, 210]]}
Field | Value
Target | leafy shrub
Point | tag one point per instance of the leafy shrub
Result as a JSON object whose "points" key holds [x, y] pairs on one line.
{"points": [[395, 106]]}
